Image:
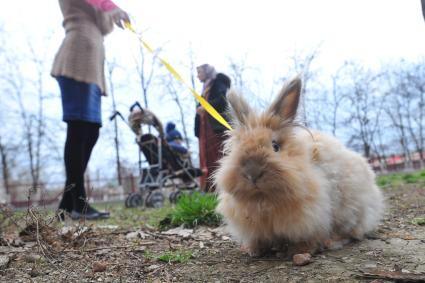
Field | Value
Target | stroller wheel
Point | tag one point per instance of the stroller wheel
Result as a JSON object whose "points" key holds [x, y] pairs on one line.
{"points": [[134, 200], [175, 196], [155, 199], [126, 202]]}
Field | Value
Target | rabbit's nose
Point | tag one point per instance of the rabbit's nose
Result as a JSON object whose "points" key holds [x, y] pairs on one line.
{"points": [[252, 170]]}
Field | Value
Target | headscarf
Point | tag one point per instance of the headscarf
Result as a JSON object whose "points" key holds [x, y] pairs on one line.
{"points": [[210, 74]]}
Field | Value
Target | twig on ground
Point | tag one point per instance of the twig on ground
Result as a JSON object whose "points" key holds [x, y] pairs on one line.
{"points": [[399, 276], [41, 246], [111, 247], [261, 270]]}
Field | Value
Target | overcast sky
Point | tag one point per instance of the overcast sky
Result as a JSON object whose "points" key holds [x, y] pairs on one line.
{"points": [[266, 30], [261, 33], [264, 33]]}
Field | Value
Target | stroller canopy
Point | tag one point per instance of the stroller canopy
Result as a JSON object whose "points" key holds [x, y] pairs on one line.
{"points": [[139, 117]]}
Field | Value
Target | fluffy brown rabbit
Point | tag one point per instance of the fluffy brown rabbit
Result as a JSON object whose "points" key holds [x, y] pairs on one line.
{"points": [[281, 183]]}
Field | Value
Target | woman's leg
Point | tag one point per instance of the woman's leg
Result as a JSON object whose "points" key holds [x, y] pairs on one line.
{"points": [[74, 157], [82, 112], [92, 130], [73, 154], [81, 139], [92, 136]]}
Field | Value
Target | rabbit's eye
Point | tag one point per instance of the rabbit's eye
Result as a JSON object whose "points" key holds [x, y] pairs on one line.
{"points": [[276, 146]]}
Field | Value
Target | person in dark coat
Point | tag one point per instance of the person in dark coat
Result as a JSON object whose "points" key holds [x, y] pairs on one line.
{"points": [[208, 130]]}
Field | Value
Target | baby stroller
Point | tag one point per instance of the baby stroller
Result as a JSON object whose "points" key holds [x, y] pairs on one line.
{"points": [[165, 168]]}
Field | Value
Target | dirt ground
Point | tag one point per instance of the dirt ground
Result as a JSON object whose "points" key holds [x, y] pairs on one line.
{"points": [[87, 252]]}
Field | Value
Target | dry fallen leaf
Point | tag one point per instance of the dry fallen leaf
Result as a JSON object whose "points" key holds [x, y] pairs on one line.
{"points": [[180, 231], [99, 266], [136, 234]]}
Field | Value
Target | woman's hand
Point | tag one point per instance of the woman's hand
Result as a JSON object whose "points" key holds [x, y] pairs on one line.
{"points": [[119, 16]]}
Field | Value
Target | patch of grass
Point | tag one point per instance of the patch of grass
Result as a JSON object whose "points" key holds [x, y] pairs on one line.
{"points": [[397, 179], [382, 181], [410, 178], [418, 221], [178, 256], [16, 220], [133, 217], [193, 210], [175, 257], [390, 180]]}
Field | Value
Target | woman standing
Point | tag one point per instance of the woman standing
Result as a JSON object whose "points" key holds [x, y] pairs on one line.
{"points": [[209, 131], [79, 70]]}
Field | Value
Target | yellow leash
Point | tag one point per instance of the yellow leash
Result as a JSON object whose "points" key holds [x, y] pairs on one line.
{"points": [[176, 75]]}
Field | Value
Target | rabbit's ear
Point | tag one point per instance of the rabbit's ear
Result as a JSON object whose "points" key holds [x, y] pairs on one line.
{"points": [[239, 109], [286, 103]]}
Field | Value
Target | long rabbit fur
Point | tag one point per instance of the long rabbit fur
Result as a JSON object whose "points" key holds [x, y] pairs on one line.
{"points": [[279, 183]]}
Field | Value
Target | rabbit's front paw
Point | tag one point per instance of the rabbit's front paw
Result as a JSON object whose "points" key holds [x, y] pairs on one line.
{"points": [[335, 243], [254, 249]]}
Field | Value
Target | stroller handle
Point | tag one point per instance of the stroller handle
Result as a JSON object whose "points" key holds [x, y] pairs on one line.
{"points": [[115, 114], [136, 104]]}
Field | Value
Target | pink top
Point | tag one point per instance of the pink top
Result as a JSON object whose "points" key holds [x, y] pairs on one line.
{"points": [[102, 5]]}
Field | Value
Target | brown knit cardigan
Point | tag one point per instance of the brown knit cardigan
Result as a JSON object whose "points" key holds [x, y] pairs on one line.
{"points": [[82, 54]]}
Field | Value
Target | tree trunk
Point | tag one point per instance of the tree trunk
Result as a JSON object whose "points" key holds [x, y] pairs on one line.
{"points": [[111, 67], [5, 168]]}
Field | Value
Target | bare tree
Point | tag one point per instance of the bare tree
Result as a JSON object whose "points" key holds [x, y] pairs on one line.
{"points": [[191, 67], [245, 79], [192, 74], [5, 166], [237, 73], [405, 108], [327, 101], [366, 106], [337, 97], [395, 111], [110, 69], [35, 151], [145, 67], [175, 92], [23, 78], [381, 146], [302, 64], [15, 86], [3, 148], [415, 85]]}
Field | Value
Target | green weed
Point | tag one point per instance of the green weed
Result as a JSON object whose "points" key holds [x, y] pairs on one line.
{"points": [[418, 221], [397, 179], [179, 256], [133, 217], [193, 210]]}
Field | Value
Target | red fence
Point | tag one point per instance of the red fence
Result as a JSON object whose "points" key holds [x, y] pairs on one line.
{"points": [[396, 163]]}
